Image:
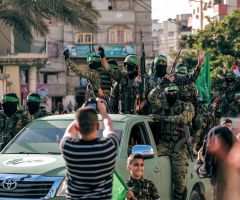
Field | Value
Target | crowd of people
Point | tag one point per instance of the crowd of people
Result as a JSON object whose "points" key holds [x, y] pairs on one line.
{"points": [[168, 98]]}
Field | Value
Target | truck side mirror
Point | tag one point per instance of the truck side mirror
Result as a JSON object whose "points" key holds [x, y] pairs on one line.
{"points": [[146, 150]]}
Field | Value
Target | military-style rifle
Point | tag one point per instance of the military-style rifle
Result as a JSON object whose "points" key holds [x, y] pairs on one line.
{"points": [[187, 139], [141, 73], [175, 61]]}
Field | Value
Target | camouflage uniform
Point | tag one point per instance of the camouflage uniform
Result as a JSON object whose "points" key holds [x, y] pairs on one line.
{"points": [[171, 119], [143, 189], [12, 124], [125, 89], [231, 86], [40, 113], [234, 107], [98, 78], [189, 93], [35, 111], [180, 79]]}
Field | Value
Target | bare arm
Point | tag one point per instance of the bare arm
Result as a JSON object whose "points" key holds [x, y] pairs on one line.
{"points": [[107, 122], [71, 131]]}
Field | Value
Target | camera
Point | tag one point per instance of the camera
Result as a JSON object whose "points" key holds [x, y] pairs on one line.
{"points": [[92, 103]]}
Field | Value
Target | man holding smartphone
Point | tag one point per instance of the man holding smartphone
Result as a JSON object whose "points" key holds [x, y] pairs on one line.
{"points": [[90, 160]]}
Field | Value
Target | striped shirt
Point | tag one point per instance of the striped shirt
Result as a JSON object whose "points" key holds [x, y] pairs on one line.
{"points": [[90, 166]]}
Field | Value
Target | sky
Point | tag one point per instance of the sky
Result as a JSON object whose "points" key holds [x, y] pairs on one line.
{"points": [[164, 9]]}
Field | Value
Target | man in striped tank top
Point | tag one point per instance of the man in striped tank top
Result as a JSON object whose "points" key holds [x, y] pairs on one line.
{"points": [[90, 160]]}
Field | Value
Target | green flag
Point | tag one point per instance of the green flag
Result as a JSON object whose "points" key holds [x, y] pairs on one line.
{"points": [[119, 189], [203, 82]]}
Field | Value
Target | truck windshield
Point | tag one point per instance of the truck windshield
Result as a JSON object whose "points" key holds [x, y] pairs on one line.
{"points": [[42, 137]]}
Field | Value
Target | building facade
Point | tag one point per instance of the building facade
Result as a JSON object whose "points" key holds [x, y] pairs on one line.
{"points": [[120, 23], [166, 35], [215, 9]]}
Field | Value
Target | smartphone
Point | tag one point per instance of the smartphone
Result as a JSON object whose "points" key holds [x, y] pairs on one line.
{"points": [[93, 105]]}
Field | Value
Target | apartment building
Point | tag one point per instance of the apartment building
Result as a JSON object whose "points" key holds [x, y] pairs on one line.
{"points": [[166, 35], [215, 9]]}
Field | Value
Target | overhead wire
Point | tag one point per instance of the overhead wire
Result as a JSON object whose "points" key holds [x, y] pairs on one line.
{"points": [[210, 3]]}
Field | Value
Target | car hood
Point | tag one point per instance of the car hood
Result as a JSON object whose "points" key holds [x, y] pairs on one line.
{"points": [[40, 164]]}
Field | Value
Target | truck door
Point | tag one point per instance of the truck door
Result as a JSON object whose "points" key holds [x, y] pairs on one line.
{"points": [[140, 136], [163, 163]]}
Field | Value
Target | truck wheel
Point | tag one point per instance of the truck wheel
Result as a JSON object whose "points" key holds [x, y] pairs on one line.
{"points": [[196, 196]]}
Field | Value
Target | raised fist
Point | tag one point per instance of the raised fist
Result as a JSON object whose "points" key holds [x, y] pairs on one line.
{"points": [[101, 52], [66, 54]]}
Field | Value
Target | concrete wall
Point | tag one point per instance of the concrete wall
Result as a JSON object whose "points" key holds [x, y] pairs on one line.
{"points": [[5, 40], [14, 77]]}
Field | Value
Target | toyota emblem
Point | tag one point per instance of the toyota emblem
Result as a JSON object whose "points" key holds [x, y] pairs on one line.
{"points": [[9, 184]]}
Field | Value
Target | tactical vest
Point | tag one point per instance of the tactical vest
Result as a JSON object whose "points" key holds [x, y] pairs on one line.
{"points": [[170, 130], [8, 125], [105, 80], [188, 92], [127, 94]]}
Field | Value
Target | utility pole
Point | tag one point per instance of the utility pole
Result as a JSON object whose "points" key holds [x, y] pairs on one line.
{"points": [[201, 14]]}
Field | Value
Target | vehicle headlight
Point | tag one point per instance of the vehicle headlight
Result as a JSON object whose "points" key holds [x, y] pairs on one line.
{"points": [[62, 188]]}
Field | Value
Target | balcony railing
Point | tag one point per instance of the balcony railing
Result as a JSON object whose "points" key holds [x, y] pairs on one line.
{"points": [[220, 9]]}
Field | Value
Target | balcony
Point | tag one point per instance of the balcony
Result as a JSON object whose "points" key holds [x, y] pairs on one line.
{"points": [[220, 9]]}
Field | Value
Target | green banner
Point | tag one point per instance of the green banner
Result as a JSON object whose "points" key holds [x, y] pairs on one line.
{"points": [[203, 82], [119, 188]]}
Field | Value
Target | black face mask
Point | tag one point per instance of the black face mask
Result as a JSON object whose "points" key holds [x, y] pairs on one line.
{"points": [[9, 108], [132, 75], [33, 107], [229, 80], [161, 70], [171, 98], [94, 65]]}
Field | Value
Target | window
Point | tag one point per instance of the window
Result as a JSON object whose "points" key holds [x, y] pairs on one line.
{"points": [[217, 2], [84, 38], [128, 36], [170, 33], [1, 69], [120, 35], [156, 130], [197, 9], [138, 136], [110, 5], [24, 76], [80, 39], [50, 78], [112, 37]]}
